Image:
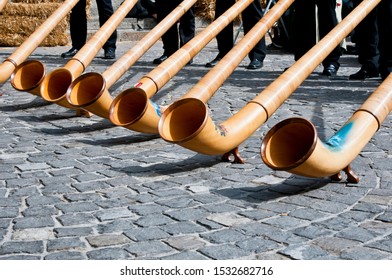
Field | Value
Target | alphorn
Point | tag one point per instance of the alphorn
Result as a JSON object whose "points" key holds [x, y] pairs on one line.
{"points": [[2, 4], [293, 145], [198, 132], [30, 76], [90, 90], [34, 40], [133, 108]]}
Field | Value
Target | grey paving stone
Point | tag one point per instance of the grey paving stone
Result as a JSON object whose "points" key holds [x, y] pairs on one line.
{"points": [[185, 256], [4, 223], [107, 240], [223, 236], [258, 245], [9, 212], [109, 254], [185, 242], [304, 252], [73, 231], [75, 207], [154, 220], [148, 249], [182, 228], [312, 232], [223, 252], [9, 202], [66, 243], [69, 255], [362, 253], [187, 214], [359, 234], [334, 244], [144, 234], [39, 200], [76, 219], [146, 209], [285, 222], [33, 222], [22, 247], [37, 211]]}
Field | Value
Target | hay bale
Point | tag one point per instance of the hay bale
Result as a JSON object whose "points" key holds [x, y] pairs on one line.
{"points": [[32, 10], [11, 40], [25, 25], [205, 9], [37, 1], [20, 18]]}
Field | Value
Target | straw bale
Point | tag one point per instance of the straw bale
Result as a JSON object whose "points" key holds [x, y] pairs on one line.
{"points": [[205, 9], [11, 40], [43, 10], [37, 1], [25, 25], [20, 18]]}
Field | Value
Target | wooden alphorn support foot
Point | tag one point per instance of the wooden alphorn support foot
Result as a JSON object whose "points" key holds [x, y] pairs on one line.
{"points": [[235, 153], [351, 176], [83, 113]]}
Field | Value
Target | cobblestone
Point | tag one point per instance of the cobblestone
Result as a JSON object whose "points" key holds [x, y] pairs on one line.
{"points": [[83, 189]]}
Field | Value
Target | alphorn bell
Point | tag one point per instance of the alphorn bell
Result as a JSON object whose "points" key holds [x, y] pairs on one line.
{"points": [[293, 146], [133, 109], [34, 40], [30, 75], [197, 132], [90, 90]]}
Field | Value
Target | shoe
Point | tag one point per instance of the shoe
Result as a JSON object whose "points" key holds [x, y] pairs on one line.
{"points": [[110, 53], [363, 74], [161, 59], [330, 70], [69, 53], [255, 64], [212, 63]]}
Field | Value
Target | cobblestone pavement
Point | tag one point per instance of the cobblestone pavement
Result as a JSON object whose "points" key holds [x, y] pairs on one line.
{"points": [[82, 188]]}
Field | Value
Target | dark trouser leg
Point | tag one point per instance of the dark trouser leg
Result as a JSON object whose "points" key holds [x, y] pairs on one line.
{"points": [[327, 21], [78, 25], [385, 29], [252, 15], [225, 38], [187, 27], [105, 11]]}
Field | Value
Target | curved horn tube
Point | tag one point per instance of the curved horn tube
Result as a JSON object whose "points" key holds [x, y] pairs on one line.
{"points": [[30, 76], [293, 146], [34, 40], [170, 67], [211, 139], [114, 72], [2, 4]]}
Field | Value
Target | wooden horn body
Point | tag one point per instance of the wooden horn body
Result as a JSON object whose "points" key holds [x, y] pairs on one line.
{"points": [[2, 4], [30, 76], [223, 138], [35, 39], [151, 83], [82, 94], [293, 146]]}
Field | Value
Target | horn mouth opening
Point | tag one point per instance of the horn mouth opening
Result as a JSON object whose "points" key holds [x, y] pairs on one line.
{"points": [[288, 144], [183, 120], [128, 107], [86, 89], [55, 85], [28, 75]]}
